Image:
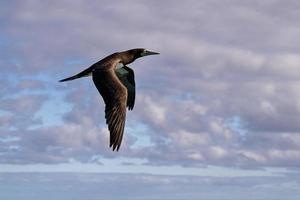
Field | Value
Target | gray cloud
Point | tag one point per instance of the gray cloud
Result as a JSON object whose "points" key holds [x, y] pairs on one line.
{"points": [[137, 186], [20, 111], [220, 61]]}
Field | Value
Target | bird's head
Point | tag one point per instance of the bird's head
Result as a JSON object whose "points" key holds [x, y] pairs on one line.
{"points": [[140, 52], [145, 52]]}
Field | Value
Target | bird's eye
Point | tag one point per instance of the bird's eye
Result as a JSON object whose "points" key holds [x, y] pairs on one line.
{"points": [[143, 53]]}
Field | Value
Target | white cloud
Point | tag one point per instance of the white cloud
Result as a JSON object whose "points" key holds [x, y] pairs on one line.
{"points": [[188, 139]]}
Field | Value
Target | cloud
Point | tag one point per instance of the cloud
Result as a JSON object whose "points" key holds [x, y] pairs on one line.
{"points": [[224, 90], [58, 144], [20, 111], [136, 186]]}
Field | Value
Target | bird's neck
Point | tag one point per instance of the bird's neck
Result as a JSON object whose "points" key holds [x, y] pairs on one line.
{"points": [[126, 58]]}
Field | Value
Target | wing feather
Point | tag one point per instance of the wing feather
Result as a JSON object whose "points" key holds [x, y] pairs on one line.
{"points": [[114, 94]]}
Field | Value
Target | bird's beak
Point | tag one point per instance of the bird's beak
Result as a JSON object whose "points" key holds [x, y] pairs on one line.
{"points": [[148, 53]]}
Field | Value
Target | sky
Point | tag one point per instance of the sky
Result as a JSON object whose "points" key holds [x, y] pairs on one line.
{"points": [[216, 113]]}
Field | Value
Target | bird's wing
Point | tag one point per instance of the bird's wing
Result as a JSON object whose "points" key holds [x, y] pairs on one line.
{"points": [[114, 94], [126, 76]]}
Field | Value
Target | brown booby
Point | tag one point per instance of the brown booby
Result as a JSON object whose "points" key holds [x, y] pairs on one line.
{"points": [[115, 82]]}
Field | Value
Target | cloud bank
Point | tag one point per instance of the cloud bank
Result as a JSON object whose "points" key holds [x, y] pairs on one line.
{"points": [[223, 92], [143, 186]]}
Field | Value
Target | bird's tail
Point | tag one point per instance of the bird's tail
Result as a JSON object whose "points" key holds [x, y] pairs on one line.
{"points": [[86, 72]]}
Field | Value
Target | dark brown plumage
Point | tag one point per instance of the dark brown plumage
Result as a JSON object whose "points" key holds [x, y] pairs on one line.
{"points": [[117, 87]]}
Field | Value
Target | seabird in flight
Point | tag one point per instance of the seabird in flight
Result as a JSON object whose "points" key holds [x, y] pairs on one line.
{"points": [[115, 82]]}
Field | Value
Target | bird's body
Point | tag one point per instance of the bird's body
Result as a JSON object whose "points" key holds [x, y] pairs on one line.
{"points": [[115, 82]]}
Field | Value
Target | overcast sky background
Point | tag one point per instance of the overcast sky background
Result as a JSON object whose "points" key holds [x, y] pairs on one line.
{"points": [[216, 114]]}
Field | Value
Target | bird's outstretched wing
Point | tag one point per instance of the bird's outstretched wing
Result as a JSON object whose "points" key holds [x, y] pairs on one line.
{"points": [[114, 94], [126, 76]]}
